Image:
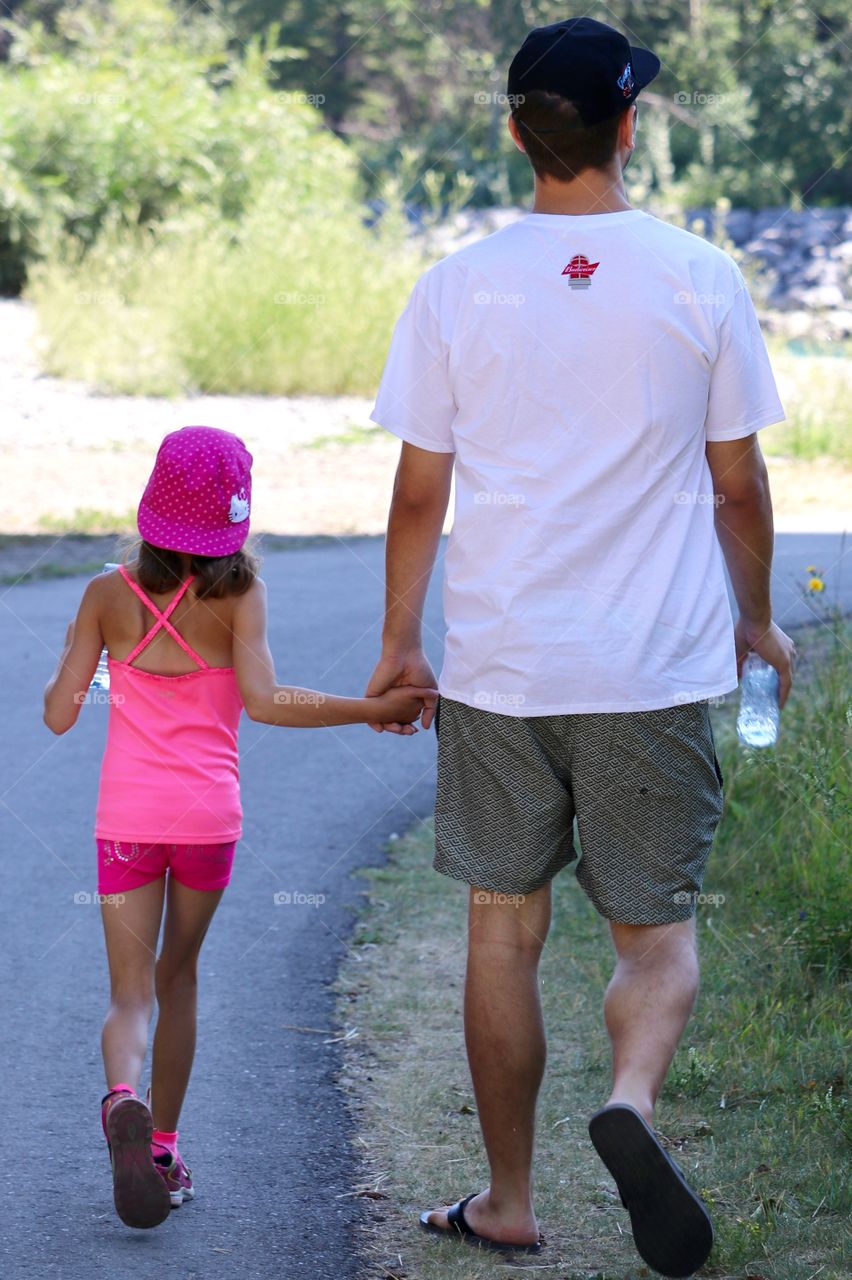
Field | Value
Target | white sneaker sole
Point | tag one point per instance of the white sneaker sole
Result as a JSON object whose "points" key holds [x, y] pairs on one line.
{"points": [[177, 1197]]}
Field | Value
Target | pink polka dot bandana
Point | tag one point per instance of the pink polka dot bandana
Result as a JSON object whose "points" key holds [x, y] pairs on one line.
{"points": [[198, 498]]}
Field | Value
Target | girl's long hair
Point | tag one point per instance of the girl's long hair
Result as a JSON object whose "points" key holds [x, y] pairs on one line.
{"points": [[160, 571]]}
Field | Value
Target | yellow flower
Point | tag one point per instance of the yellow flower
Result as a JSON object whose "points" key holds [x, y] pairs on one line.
{"points": [[811, 568], [816, 584]]}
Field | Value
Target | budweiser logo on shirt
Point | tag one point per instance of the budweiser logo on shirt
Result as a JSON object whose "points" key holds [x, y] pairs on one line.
{"points": [[580, 271]]}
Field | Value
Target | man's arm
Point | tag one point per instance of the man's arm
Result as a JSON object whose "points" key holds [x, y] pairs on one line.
{"points": [[745, 530], [421, 493]]}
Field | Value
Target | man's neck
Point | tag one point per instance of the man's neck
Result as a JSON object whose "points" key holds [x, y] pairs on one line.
{"points": [[592, 191]]}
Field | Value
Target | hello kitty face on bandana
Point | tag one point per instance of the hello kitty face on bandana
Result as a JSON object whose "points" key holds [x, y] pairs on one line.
{"points": [[239, 509]]}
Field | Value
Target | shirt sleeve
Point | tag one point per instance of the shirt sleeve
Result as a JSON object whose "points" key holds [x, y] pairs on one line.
{"points": [[415, 399], [743, 395]]}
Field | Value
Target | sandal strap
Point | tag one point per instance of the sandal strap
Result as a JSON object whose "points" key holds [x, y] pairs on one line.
{"points": [[456, 1218]]}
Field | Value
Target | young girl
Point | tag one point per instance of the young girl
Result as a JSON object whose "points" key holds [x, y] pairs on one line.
{"points": [[184, 625]]}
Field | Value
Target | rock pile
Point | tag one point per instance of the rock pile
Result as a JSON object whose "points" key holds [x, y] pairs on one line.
{"points": [[801, 262]]}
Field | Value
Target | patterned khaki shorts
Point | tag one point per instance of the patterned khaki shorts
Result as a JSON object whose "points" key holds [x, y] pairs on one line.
{"points": [[644, 786]]}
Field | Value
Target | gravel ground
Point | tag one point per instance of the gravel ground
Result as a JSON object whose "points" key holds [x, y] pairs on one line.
{"points": [[74, 460], [89, 452]]}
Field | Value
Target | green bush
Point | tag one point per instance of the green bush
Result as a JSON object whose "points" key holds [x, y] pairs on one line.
{"points": [[183, 225], [136, 116], [292, 298]]}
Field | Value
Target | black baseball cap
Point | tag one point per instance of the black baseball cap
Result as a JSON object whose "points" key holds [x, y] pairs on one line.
{"points": [[585, 61]]}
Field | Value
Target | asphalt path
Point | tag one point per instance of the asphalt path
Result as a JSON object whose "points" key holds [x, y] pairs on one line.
{"points": [[265, 1130]]}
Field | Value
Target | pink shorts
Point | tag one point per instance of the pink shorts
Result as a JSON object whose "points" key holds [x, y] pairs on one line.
{"points": [[126, 864]]}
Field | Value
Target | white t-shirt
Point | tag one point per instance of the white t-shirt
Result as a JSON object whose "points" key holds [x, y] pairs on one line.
{"points": [[575, 366]]}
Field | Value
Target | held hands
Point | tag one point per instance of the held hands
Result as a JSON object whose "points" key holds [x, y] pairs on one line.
{"points": [[399, 706], [406, 676], [773, 646]]}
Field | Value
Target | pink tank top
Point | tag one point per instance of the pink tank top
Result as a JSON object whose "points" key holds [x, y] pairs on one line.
{"points": [[170, 771]]}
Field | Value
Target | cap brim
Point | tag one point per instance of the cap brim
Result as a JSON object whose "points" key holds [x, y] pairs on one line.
{"points": [[169, 535], [646, 66]]}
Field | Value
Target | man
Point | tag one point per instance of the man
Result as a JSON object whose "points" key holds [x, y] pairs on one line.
{"points": [[595, 378]]}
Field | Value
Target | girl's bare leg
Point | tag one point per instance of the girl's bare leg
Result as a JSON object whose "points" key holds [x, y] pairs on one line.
{"points": [[188, 916], [131, 928]]}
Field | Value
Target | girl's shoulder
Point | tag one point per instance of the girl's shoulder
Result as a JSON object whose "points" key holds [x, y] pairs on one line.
{"points": [[250, 612], [256, 589], [110, 586], [106, 595], [252, 599], [103, 586]]}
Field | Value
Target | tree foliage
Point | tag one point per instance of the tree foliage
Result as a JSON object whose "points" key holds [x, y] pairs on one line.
{"points": [[133, 108], [752, 97]]}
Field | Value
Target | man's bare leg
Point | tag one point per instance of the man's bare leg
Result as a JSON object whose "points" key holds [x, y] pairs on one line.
{"points": [[648, 1002], [506, 1048], [647, 1005]]}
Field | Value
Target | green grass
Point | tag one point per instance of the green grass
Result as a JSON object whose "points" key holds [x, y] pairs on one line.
{"points": [[90, 520], [289, 300], [816, 391], [355, 433], [755, 1106]]}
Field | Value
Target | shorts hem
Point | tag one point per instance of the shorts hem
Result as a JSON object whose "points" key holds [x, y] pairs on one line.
{"points": [[206, 888], [677, 915], [116, 890], [489, 882], [641, 924]]}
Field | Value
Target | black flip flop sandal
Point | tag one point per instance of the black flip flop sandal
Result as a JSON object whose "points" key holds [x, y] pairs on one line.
{"points": [[460, 1228], [671, 1228]]}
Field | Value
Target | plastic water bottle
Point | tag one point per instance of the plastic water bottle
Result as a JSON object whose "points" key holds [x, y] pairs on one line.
{"points": [[100, 680], [759, 715]]}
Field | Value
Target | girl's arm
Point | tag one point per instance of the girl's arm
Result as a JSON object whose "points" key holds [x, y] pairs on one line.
{"points": [[67, 688], [271, 703]]}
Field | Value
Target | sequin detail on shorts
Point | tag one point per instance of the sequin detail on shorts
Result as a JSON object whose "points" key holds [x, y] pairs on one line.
{"points": [[120, 851]]}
